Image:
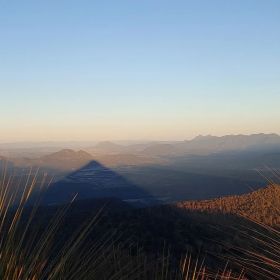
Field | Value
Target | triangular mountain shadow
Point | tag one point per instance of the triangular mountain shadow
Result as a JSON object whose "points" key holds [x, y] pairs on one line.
{"points": [[95, 181]]}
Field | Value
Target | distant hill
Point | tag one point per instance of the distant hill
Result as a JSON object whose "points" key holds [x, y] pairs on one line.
{"points": [[67, 154], [70, 160], [262, 205], [66, 159]]}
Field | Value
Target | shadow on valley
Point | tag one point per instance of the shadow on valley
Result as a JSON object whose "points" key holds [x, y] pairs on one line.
{"points": [[154, 232], [185, 179], [94, 181]]}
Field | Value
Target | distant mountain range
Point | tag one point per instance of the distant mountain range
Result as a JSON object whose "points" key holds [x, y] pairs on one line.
{"points": [[203, 168], [198, 145], [111, 154], [202, 145]]}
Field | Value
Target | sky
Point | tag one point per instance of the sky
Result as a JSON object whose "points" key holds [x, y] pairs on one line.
{"points": [[150, 69]]}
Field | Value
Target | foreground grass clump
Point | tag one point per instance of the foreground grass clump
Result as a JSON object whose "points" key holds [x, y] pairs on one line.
{"points": [[262, 257], [30, 250]]}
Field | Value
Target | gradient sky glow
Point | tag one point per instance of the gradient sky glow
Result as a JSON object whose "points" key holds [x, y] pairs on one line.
{"points": [[149, 69]]}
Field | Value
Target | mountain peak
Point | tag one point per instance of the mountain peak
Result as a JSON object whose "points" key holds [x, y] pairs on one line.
{"points": [[69, 153]]}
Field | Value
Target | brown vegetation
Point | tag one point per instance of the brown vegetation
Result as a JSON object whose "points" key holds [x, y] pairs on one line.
{"points": [[262, 205]]}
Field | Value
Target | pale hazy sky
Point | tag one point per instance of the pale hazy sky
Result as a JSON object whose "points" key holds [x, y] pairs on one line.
{"points": [[149, 69]]}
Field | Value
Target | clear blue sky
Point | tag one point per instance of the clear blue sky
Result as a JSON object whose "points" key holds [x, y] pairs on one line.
{"points": [[149, 69]]}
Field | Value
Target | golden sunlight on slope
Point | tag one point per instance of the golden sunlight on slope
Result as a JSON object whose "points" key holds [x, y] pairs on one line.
{"points": [[262, 205]]}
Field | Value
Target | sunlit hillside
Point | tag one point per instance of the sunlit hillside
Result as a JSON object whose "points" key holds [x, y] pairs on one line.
{"points": [[262, 205]]}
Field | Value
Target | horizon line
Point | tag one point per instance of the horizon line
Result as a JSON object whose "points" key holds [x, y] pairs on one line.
{"points": [[131, 140]]}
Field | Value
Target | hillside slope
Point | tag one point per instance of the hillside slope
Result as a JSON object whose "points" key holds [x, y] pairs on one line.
{"points": [[262, 205]]}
